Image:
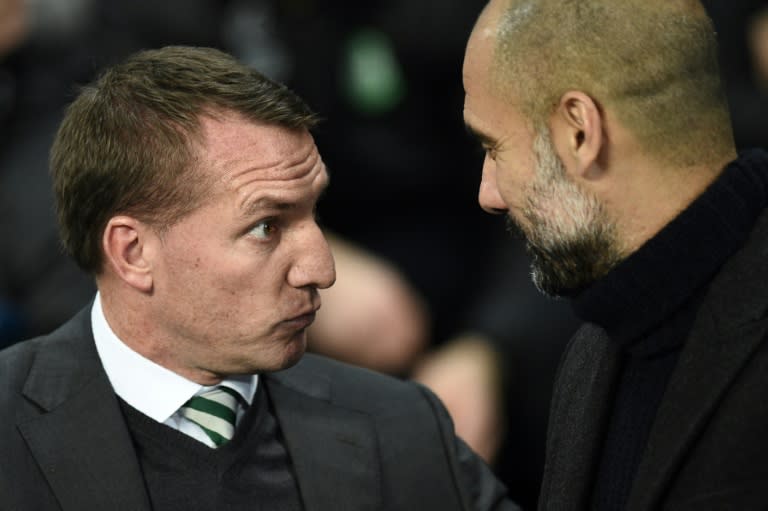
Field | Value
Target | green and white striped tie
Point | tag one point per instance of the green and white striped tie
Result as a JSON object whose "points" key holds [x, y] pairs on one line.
{"points": [[215, 411]]}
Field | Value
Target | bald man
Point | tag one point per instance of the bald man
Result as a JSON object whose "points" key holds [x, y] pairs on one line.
{"points": [[608, 145]]}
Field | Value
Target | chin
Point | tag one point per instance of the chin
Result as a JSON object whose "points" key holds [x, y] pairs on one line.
{"points": [[294, 357], [279, 354], [290, 354]]}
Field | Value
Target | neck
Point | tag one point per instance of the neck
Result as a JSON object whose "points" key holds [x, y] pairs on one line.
{"points": [[649, 196], [132, 324], [677, 262]]}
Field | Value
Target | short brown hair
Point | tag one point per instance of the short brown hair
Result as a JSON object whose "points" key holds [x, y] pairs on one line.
{"points": [[127, 143], [653, 62]]}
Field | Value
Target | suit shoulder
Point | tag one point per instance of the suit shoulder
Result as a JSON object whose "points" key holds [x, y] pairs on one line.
{"points": [[357, 387], [354, 378], [16, 360], [69, 342]]}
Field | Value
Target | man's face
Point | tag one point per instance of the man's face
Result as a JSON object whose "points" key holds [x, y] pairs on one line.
{"points": [[236, 280], [567, 230]]}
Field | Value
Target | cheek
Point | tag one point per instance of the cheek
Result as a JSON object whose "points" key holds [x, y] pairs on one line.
{"points": [[194, 272], [240, 283], [187, 267], [512, 186], [232, 277]]}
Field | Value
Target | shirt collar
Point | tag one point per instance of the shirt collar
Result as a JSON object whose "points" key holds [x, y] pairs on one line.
{"points": [[148, 387]]}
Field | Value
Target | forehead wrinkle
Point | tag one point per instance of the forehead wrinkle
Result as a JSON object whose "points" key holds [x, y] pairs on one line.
{"points": [[282, 169], [249, 205]]}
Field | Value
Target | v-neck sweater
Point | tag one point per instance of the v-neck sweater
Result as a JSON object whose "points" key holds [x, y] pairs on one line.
{"points": [[251, 472]]}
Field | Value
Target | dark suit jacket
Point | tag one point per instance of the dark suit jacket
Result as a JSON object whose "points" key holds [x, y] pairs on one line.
{"points": [[708, 446], [357, 440]]}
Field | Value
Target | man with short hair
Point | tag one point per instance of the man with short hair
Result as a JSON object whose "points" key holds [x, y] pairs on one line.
{"points": [[187, 184], [608, 145]]}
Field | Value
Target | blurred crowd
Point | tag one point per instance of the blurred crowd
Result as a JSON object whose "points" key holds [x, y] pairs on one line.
{"points": [[428, 285]]}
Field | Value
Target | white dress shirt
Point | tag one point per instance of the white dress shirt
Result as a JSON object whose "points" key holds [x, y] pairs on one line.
{"points": [[152, 389]]}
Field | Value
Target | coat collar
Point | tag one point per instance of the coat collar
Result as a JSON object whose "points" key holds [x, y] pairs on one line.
{"points": [[79, 438], [578, 415]]}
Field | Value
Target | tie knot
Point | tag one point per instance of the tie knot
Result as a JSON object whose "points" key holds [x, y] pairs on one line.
{"points": [[215, 411]]}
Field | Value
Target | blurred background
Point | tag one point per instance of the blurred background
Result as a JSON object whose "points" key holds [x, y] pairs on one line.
{"points": [[429, 287]]}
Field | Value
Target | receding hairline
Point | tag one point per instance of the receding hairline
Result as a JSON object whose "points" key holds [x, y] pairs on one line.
{"points": [[282, 167]]}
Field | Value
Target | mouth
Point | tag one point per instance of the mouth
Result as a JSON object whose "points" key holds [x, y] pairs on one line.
{"points": [[301, 321]]}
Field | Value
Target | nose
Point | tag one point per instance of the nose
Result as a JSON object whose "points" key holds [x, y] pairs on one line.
{"points": [[489, 197], [313, 266]]}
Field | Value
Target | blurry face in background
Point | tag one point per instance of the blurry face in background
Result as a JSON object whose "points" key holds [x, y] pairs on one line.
{"points": [[235, 284], [758, 45], [568, 233], [13, 25]]}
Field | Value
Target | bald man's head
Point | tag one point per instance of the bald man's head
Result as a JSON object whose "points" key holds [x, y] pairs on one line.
{"points": [[653, 63]]}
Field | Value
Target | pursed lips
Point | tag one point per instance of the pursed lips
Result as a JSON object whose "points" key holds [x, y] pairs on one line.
{"points": [[302, 319]]}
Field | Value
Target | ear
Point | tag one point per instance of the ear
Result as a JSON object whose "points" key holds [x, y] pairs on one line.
{"points": [[127, 251], [577, 133]]}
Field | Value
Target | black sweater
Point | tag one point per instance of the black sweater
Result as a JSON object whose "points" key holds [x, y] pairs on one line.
{"points": [[251, 472]]}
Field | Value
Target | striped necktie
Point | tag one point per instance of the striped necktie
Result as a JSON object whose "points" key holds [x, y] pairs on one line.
{"points": [[215, 411]]}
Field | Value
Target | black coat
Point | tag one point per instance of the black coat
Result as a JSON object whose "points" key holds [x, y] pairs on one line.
{"points": [[708, 446]]}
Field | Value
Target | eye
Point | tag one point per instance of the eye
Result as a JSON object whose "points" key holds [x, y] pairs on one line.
{"points": [[490, 152], [263, 230]]}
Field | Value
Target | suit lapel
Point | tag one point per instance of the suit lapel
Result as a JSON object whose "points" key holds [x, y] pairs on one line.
{"points": [[699, 382], [578, 414], [730, 326], [333, 449], [79, 440]]}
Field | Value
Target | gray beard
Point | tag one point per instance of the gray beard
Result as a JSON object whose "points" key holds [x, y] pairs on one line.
{"points": [[570, 238], [564, 269]]}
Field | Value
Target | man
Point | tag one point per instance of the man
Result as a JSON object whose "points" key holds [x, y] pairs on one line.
{"points": [[608, 144], [187, 184]]}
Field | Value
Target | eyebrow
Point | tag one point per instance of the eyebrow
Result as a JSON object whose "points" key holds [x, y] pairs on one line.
{"points": [[265, 203], [484, 138]]}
